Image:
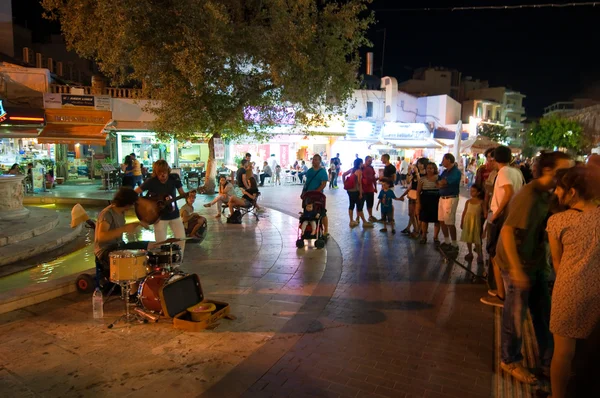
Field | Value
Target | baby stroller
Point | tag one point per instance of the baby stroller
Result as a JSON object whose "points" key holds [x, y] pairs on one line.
{"points": [[318, 200]]}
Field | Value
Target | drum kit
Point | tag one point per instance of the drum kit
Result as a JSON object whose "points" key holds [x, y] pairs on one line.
{"points": [[141, 275]]}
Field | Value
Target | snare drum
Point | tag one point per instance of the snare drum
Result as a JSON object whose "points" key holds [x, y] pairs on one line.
{"points": [[127, 265], [167, 255], [148, 292]]}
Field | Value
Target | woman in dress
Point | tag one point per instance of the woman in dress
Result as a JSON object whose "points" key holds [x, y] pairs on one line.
{"points": [[415, 173], [427, 203], [574, 237]]}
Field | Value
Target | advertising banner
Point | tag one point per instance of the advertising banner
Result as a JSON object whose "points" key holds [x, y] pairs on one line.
{"points": [[96, 102]]}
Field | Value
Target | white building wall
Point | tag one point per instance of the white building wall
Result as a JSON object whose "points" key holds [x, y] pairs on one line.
{"points": [[357, 108], [131, 110], [407, 108]]}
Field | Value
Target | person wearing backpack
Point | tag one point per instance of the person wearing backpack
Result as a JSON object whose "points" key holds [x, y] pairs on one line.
{"points": [[353, 185]]}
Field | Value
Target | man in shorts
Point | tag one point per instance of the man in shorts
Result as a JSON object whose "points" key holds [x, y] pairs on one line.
{"points": [[449, 185], [369, 186]]}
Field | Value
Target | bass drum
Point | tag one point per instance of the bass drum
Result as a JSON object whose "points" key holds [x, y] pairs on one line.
{"points": [[148, 292]]}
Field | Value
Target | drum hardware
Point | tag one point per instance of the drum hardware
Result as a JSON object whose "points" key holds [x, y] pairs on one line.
{"points": [[150, 317], [127, 317], [167, 258]]}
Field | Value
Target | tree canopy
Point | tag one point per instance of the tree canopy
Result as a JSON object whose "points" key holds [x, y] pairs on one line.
{"points": [[495, 132], [223, 67], [558, 132]]}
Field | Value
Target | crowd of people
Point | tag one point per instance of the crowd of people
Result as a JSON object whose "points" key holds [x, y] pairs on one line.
{"points": [[521, 223]]}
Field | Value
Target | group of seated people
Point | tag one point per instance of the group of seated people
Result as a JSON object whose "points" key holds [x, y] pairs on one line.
{"points": [[246, 181]]}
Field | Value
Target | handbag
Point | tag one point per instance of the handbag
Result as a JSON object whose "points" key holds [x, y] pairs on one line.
{"points": [[350, 182], [412, 194]]}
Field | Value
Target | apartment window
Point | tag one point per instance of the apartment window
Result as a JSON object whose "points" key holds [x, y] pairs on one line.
{"points": [[479, 112], [369, 109], [489, 114]]}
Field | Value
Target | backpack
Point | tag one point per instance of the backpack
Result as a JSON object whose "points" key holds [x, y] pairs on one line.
{"points": [[235, 218], [350, 182]]}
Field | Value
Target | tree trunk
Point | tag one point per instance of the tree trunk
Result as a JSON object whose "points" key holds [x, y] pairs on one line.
{"points": [[211, 170]]}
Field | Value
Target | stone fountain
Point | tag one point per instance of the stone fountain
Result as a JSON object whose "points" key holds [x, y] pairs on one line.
{"points": [[11, 197]]}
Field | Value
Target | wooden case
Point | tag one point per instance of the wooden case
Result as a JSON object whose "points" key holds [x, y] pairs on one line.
{"points": [[178, 296]]}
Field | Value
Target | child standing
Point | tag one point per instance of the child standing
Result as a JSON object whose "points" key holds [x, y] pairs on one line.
{"points": [[471, 223], [309, 216], [278, 175], [386, 195], [192, 222]]}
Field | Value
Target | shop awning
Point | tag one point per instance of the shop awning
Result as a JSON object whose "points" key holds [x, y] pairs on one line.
{"points": [[128, 125], [414, 144], [15, 132], [72, 134]]}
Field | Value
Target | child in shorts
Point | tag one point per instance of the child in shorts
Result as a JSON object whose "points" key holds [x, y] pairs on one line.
{"points": [[192, 221], [278, 175], [386, 195]]}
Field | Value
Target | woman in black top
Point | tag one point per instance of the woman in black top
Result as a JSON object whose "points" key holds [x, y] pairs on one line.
{"points": [[249, 195]]}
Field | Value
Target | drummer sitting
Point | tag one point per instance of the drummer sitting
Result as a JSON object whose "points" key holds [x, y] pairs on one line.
{"points": [[111, 225]]}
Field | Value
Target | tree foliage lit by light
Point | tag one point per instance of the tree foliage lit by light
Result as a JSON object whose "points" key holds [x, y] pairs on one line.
{"points": [[207, 62], [495, 132], [558, 132]]}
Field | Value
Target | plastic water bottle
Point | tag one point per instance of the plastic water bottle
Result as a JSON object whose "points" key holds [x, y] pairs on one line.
{"points": [[97, 304]]}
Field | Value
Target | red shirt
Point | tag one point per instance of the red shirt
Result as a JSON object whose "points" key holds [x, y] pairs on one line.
{"points": [[368, 180]]}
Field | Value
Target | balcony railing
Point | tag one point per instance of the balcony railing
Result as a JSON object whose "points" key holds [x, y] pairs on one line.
{"points": [[113, 92], [514, 109]]}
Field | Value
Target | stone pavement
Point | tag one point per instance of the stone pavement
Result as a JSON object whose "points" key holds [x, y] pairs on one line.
{"points": [[371, 315]]}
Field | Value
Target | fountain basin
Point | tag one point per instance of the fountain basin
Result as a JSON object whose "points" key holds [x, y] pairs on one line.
{"points": [[11, 197]]}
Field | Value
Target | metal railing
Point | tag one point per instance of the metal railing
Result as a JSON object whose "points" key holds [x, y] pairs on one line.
{"points": [[113, 92]]}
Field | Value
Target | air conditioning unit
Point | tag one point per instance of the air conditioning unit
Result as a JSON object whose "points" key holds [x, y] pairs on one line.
{"points": [[51, 65], [26, 55], [38, 60]]}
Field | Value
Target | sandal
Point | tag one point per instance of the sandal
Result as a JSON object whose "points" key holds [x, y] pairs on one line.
{"points": [[519, 372], [423, 241], [436, 242]]}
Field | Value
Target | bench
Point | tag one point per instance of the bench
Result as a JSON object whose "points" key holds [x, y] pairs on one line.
{"points": [[245, 210]]}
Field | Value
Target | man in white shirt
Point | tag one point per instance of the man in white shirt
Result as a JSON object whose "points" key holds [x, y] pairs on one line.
{"points": [[509, 181], [403, 171]]}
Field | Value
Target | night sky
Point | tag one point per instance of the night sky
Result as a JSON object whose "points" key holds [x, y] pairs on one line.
{"points": [[547, 54]]}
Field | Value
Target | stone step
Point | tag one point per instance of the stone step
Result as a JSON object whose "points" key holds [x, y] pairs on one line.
{"points": [[38, 222], [57, 236]]}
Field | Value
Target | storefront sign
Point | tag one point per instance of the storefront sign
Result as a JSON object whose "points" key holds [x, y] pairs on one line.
{"points": [[130, 138], [77, 116], [404, 131], [219, 148], [59, 101], [20, 116]]}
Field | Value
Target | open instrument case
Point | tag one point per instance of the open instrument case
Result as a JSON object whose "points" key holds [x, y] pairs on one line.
{"points": [[178, 296]]}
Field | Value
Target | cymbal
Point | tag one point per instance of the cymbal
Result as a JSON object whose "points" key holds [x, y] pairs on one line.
{"points": [[172, 240]]}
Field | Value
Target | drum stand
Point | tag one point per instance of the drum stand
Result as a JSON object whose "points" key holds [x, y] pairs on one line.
{"points": [[127, 317]]}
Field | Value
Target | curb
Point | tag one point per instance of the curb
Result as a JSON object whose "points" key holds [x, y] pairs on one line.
{"points": [[35, 294]]}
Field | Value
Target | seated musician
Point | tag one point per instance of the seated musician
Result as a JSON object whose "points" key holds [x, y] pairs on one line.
{"points": [[165, 185], [111, 225]]}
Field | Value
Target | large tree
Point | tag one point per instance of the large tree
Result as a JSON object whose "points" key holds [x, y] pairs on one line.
{"points": [[558, 132], [224, 68]]}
